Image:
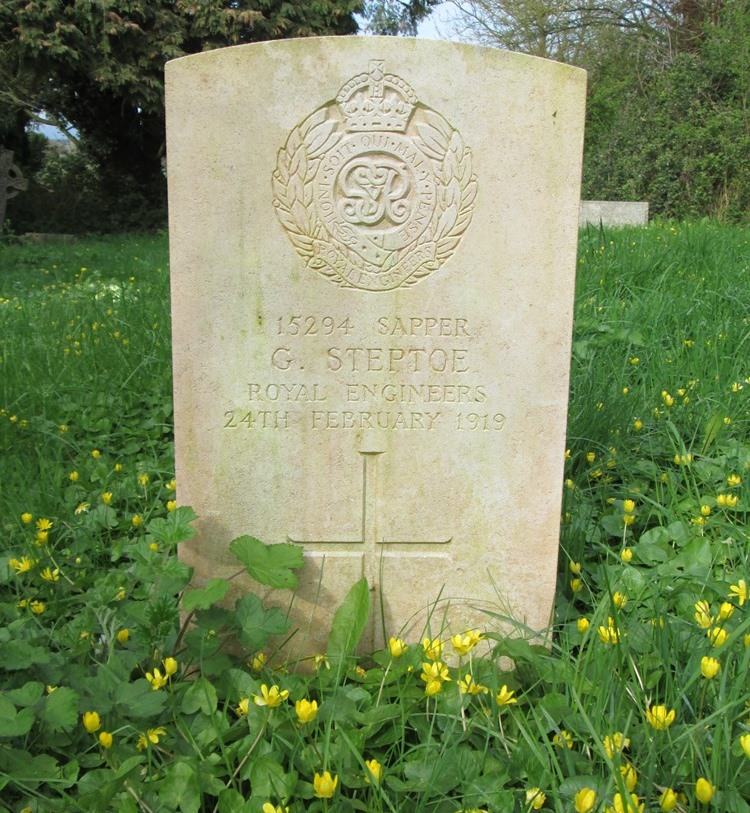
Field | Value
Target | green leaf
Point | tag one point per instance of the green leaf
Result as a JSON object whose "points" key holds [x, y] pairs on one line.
{"points": [[349, 623], [268, 780], [14, 723], [200, 695], [174, 529], [16, 655], [139, 700], [60, 710], [268, 564], [203, 598], [256, 624], [181, 789], [26, 695]]}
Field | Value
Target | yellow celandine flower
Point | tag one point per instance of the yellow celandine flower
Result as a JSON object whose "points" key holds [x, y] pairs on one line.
{"points": [[170, 666], [629, 776], [258, 662], [706, 510], [703, 615], [433, 649], [628, 519], [434, 675], [154, 547], [26, 518], [585, 800], [41, 538], [122, 636], [739, 591], [22, 565], [746, 639], [535, 799], [615, 744], [734, 479], [609, 634], [91, 721], [628, 506], [591, 456], [726, 610], [73, 476], [463, 644], [325, 785], [272, 697], [619, 600], [171, 505], [375, 771], [322, 660], [268, 807], [563, 740], [717, 636], [107, 498], [156, 679], [583, 624], [704, 790], [576, 585], [626, 804], [120, 595], [626, 555], [667, 801], [82, 508], [50, 575], [171, 485], [467, 685], [396, 647], [505, 697], [105, 739], [137, 521], [659, 718], [307, 710], [637, 424], [152, 736], [243, 706], [37, 607], [745, 744], [709, 667], [575, 568], [570, 483], [96, 454], [143, 479], [44, 524]]}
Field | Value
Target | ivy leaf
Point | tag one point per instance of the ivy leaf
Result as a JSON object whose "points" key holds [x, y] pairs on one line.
{"points": [[268, 564], [256, 624], [202, 599], [60, 710]]}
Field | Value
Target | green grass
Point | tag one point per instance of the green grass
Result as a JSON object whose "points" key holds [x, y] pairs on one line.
{"points": [[655, 517]]}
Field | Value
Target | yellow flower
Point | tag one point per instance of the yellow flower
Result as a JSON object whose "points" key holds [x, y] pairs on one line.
{"points": [[307, 710], [745, 744], [50, 575], [583, 624], [591, 456], [628, 506], [143, 479], [82, 508], [154, 546], [563, 739], [120, 595], [625, 804], [717, 636], [22, 565], [38, 607], [105, 739], [41, 537], [73, 477], [96, 454], [535, 799], [463, 644], [626, 555], [150, 736], [171, 505], [739, 591], [704, 790], [709, 667], [575, 568], [107, 498], [433, 687], [576, 585], [734, 479], [137, 521], [43, 524], [170, 666], [706, 510], [659, 718], [243, 707], [703, 614], [325, 785], [26, 518], [270, 697], [629, 776], [375, 770], [171, 485], [585, 800], [615, 744], [667, 801], [505, 697], [396, 647], [469, 686], [122, 636], [156, 679], [634, 360], [619, 600], [434, 675], [637, 424], [433, 649], [258, 662], [268, 807], [609, 634], [322, 660], [91, 721]]}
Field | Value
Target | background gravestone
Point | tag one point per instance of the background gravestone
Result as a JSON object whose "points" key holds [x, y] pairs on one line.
{"points": [[373, 246], [11, 181]]}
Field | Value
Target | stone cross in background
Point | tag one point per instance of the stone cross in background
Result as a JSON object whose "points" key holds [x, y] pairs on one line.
{"points": [[11, 181], [373, 248]]}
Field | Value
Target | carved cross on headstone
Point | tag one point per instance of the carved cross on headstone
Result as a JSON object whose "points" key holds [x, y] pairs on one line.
{"points": [[11, 181], [371, 538]]}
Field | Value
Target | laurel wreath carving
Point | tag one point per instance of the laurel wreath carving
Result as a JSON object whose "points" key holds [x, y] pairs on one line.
{"points": [[293, 190]]}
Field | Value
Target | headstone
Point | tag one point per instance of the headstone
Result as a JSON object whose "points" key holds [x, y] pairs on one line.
{"points": [[613, 213], [373, 244], [11, 181]]}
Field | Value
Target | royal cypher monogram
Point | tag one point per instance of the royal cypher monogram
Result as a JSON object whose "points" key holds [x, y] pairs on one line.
{"points": [[374, 188]]}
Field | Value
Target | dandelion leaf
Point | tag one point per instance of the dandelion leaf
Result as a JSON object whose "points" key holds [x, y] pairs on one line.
{"points": [[268, 564], [348, 625]]}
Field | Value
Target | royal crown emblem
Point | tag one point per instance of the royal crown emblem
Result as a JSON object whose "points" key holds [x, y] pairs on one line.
{"points": [[374, 189]]}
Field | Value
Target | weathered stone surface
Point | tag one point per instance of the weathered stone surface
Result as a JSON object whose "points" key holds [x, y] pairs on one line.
{"points": [[373, 246], [613, 213]]}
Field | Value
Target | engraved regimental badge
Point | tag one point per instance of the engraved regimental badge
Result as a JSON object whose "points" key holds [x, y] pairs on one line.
{"points": [[374, 188]]}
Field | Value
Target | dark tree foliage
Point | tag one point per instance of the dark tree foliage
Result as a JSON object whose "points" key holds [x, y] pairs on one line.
{"points": [[98, 66], [396, 17]]}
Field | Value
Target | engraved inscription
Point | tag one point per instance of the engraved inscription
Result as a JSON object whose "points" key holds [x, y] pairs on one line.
{"points": [[374, 189]]}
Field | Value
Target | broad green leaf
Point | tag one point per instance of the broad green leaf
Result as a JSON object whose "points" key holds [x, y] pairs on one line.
{"points": [[256, 624], [200, 695], [174, 529], [139, 700], [203, 598], [268, 780], [26, 695], [181, 789], [349, 623], [14, 723], [16, 655], [268, 564], [60, 710]]}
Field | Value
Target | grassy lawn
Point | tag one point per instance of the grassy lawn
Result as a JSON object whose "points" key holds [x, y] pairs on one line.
{"points": [[642, 703]]}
